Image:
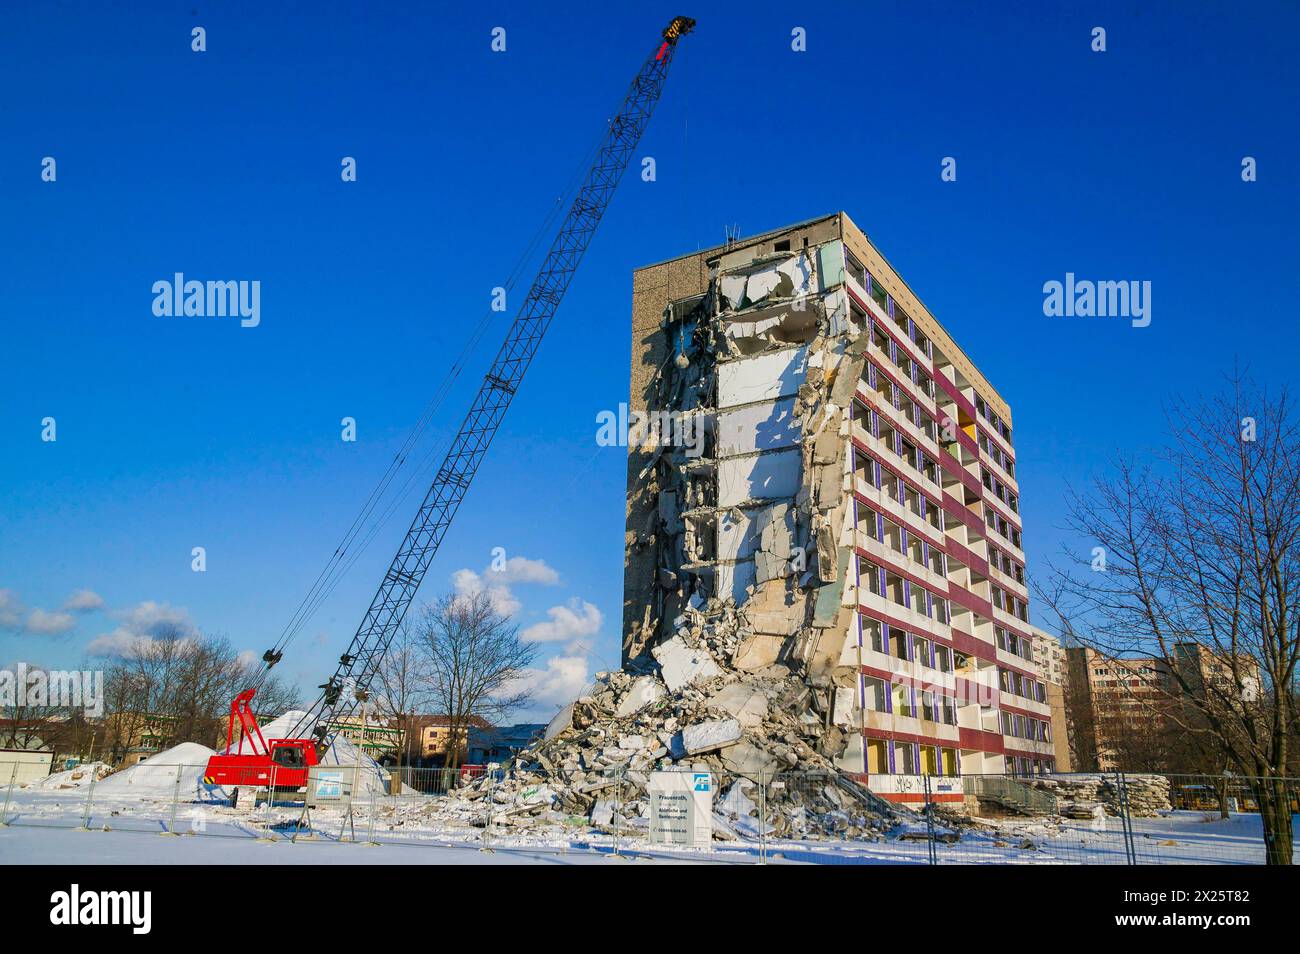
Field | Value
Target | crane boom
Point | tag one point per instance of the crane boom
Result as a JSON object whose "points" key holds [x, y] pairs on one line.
{"points": [[357, 667]]}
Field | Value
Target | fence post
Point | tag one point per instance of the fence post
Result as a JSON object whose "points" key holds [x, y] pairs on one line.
{"points": [[370, 823], [176, 797], [491, 806], [762, 819], [270, 803], [9, 793], [90, 797], [1126, 820], [618, 793], [930, 839]]}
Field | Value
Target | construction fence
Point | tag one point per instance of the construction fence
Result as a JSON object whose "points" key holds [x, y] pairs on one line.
{"points": [[821, 817]]}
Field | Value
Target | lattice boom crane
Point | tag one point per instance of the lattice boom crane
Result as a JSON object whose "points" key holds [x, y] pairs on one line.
{"points": [[357, 667]]}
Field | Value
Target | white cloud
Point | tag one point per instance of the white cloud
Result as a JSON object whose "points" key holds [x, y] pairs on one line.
{"points": [[496, 583], [41, 623], [38, 622], [143, 623], [11, 610], [522, 570], [557, 685], [83, 601], [572, 621], [469, 583]]}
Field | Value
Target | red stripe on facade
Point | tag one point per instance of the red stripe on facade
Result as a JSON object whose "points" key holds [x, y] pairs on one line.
{"points": [[982, 741]]}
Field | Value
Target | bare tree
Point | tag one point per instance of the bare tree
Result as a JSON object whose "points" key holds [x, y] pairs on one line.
{"points": [[402, 686], [475, 661], [1197, 567], [178, 688]]}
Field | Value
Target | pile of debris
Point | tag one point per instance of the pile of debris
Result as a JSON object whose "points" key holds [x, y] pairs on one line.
{"points": [[1079, 796], [767, 737]]}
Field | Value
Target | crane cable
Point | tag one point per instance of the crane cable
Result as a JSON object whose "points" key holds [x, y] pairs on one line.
{"points": [[335, 568]]}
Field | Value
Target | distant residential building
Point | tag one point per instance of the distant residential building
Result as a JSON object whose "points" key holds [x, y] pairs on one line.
{"points": [[434, 733], [131, 737], [379, 738], [502, 743], [1049, 660], [1130, 711]]}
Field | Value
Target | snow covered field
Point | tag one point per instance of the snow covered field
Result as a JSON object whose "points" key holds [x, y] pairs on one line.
{"points": [[44, 828], [123, 816]]}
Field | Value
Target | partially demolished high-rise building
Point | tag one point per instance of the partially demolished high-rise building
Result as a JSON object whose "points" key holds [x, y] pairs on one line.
{"points": [[817, 465]]}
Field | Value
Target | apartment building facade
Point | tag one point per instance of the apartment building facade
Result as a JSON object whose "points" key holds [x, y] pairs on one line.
{"points": [[1131, 711], [856, 500], [1050, 660]]}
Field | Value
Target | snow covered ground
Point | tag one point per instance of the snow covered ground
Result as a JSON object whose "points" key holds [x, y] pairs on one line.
{"points": [[44, 823]]}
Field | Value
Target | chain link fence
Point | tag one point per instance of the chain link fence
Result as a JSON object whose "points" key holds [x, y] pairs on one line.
{"points": [[756, 818]]}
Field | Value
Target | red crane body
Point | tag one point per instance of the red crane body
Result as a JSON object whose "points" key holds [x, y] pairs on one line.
{"points": [[281, 763]]}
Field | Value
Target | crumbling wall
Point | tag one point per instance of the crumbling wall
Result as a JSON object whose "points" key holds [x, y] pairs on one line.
{"points": [[751, 519]]}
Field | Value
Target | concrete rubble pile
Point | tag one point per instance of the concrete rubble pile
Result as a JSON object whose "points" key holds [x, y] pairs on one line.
{"points": [[763, 735], [1078, 796]]}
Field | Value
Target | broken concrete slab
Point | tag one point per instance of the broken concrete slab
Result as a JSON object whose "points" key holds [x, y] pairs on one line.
{"points": [[680, 665], [711, 735], [745, 758], [743, 702], [644, 691]]}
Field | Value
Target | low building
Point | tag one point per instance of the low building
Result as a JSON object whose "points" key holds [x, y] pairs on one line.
{"points": [[435, 736], [379, 738], [502, 743], [22, 766]]}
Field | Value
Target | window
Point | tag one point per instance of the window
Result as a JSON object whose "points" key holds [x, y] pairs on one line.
{"points": [[921, 650], [916, 598], [904, 758], [869, 574], [928, 710], [948, 759], [926, 384], [877, 762], [898, 639], [875, 695], [288, 756], [879, 295], [903, 702], [855, 268], [879, 339], [941, 611], [943, 658], [934, 515], [903, 322], [948, 710], [908, 453], [872, 634]]}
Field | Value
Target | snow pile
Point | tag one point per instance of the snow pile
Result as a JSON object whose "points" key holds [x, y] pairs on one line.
{"points": [[73, 777], [156, 776]]}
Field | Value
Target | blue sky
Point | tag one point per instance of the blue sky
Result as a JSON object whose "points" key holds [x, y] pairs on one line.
{"points": [[175, 433]]}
